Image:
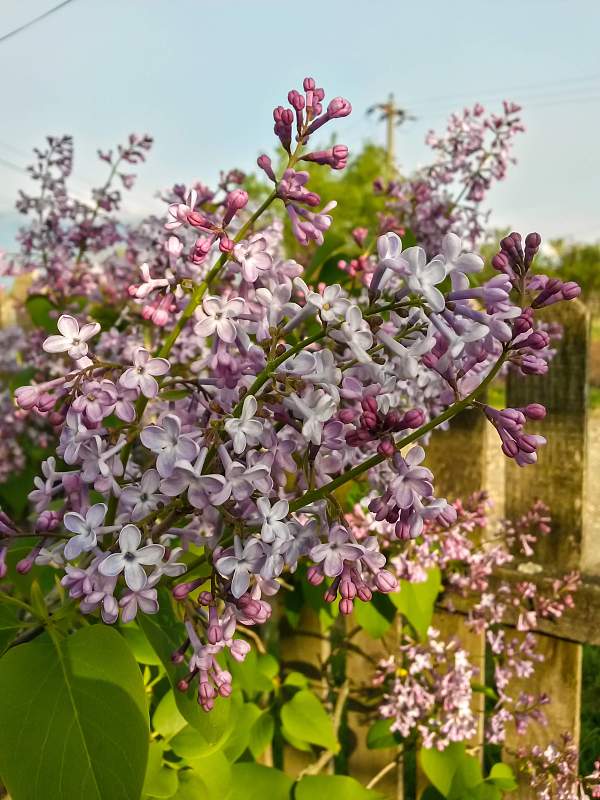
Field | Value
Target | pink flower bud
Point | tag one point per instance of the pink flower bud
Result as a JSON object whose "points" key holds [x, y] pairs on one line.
{"points": [[237, 199], [385, 581], [338, 107], [346, 607]]}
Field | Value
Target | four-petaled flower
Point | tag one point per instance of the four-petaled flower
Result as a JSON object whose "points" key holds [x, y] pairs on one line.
{"points": [[217, 316], [272, 515], [73, 339], [142, 374], [244, 560], [245, 430], [252, 257], [132, 558], [143, 496], [335, 551], [85, 529], [168, 441]]}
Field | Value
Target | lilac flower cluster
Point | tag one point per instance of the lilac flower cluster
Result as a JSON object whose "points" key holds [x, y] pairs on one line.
{"points": [[553, 771], [211, 421], [432, 691], [415, 679]]}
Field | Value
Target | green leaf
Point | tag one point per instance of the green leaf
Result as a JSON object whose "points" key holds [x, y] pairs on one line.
{"points": [[239, 737], [340, 787], [167, 719], [503, 776], [441, 766], [191, 786], [43, 313], [139, 645], [160, 781], [296, 679], [256, 782], [249, 674], [417, 600], [74, 718], [261, 734], [215, 773], [10, 624], [305, 719], [379, 735], [371, 619]]}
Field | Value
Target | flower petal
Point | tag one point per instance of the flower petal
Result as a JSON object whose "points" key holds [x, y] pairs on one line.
{"points": [[129, 539]]}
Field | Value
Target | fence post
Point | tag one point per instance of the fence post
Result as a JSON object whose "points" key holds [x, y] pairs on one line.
{"points": [[559, 480]]}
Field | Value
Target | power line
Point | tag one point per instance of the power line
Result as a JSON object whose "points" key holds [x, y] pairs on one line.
{"points": [[494, 93], [31, 22]]}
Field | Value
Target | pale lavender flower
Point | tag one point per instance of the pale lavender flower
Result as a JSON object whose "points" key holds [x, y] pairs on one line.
{"points": [[86, 530], [169, 443], [72, 339], [132, 558], [252, 257], [143, 600], [240, 564], [218, 316], [245, 430], [273, 526], [314, 407], [142, 375], [335, 551], [143, 496]]}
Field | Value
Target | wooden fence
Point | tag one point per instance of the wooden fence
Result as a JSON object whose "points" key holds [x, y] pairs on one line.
{"points": [[466, 459]]}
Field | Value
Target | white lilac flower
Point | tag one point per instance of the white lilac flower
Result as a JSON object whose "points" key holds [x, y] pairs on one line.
{"points": [[457, 263], [86, 530], [218, 316], [132, 559], [169, 443], [272, 516], [142, 375], [356, 334], [332, 304], [243, 562], [315, 407], [143, 496], [252, 257], [245, 430], [335, 551], [423, 277], [73, 339]]}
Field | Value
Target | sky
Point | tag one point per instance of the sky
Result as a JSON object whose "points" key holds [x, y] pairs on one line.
{"points": [[203, 77]]}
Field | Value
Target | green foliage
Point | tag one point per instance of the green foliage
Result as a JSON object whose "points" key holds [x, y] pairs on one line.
{"points": [[305, 719], [74, 718], [325, 787], [456, 775], [417, 601], [376, 616], [379, 735], [255, 782]]}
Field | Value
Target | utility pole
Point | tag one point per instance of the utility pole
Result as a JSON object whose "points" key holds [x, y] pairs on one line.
{"points": [[393, 116]]}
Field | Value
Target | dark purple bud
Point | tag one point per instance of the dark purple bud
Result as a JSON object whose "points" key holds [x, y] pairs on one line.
{"points": [[386, 448]]}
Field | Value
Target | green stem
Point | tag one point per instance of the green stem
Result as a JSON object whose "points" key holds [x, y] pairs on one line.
{"points": [[318, 494]]}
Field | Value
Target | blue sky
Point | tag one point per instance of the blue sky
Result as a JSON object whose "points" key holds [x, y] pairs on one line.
{"points": [[202, 77]]}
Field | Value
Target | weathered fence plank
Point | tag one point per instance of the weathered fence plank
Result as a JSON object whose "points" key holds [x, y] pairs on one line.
{"points": [[559, 480]]}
